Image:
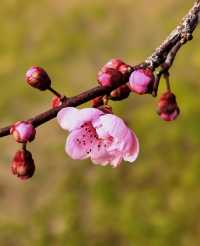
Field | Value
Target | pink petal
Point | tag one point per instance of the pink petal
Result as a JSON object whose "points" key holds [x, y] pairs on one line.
{"points": [[110, 125], [99, 154], [104, 156], [124, 144], [71, 118], [89, 114], [73, 148], [80, 143], [68, 118], [101, 131], [103, 161], [116, 161], [132, 147], [127, 148]]}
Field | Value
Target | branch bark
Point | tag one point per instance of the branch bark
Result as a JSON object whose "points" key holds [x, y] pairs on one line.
{"points": [[183, 31]]}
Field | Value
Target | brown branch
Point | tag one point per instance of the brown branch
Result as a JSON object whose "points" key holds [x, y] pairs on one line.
{"points": [[159, 56], [164, 71]]}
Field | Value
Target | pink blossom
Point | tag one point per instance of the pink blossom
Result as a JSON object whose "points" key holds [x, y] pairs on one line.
{"points": [[105, 138]]}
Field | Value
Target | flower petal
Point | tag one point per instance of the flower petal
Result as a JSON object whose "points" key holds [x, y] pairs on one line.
{"points": [[132, 148], [110, 125], [116, 161], [71, 118], [89, 114], [99, 154], [79, 144], [68, 118]]}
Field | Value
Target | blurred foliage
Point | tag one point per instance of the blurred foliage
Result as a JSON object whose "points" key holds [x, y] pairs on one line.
{"points": [[153, 202]]}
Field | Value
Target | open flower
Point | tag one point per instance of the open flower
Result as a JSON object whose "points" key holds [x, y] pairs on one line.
{"points": [[105, 138]]}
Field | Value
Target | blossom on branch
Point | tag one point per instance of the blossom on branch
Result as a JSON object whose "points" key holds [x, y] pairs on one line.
{"points": [[105, 138]]}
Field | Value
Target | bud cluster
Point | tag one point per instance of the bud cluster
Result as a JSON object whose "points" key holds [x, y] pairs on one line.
{"points": [[113, 73]]}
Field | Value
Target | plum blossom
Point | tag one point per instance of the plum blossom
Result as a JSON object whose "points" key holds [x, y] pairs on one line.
{"points": [[105, 138]]}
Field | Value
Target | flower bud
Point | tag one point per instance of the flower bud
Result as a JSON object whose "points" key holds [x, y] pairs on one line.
{"points": [[109, 77], [23, 131], [23, 164], [142, 81], [168, 109], [114, 64], [38, 78], [56, 102], [120, 66], [120, 93], [125, 69], [97, 102]]}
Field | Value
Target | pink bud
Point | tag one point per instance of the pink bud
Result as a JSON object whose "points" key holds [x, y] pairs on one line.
{"points": [[109, 77], [23, 165], [23, 131], [168, 109], [118, 65], [125, 69], [114, 64], [38, 78], [56, 102], [142, 81], [120, 93]]}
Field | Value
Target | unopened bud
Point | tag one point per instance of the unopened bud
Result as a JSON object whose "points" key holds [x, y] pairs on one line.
{"points": [[168, 109], [114, 64], [23, 131], [23, 164], [38, 78], [142, 81], [109, 77]]}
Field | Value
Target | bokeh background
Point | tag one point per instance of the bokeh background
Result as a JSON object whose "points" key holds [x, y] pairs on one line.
{"points": [[156, 200]]}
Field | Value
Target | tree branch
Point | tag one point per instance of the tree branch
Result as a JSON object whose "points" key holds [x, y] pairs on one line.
{"points": [[164, 54]]}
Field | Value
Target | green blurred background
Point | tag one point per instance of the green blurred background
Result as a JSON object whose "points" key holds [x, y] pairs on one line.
{"points": [[156, 200]]}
